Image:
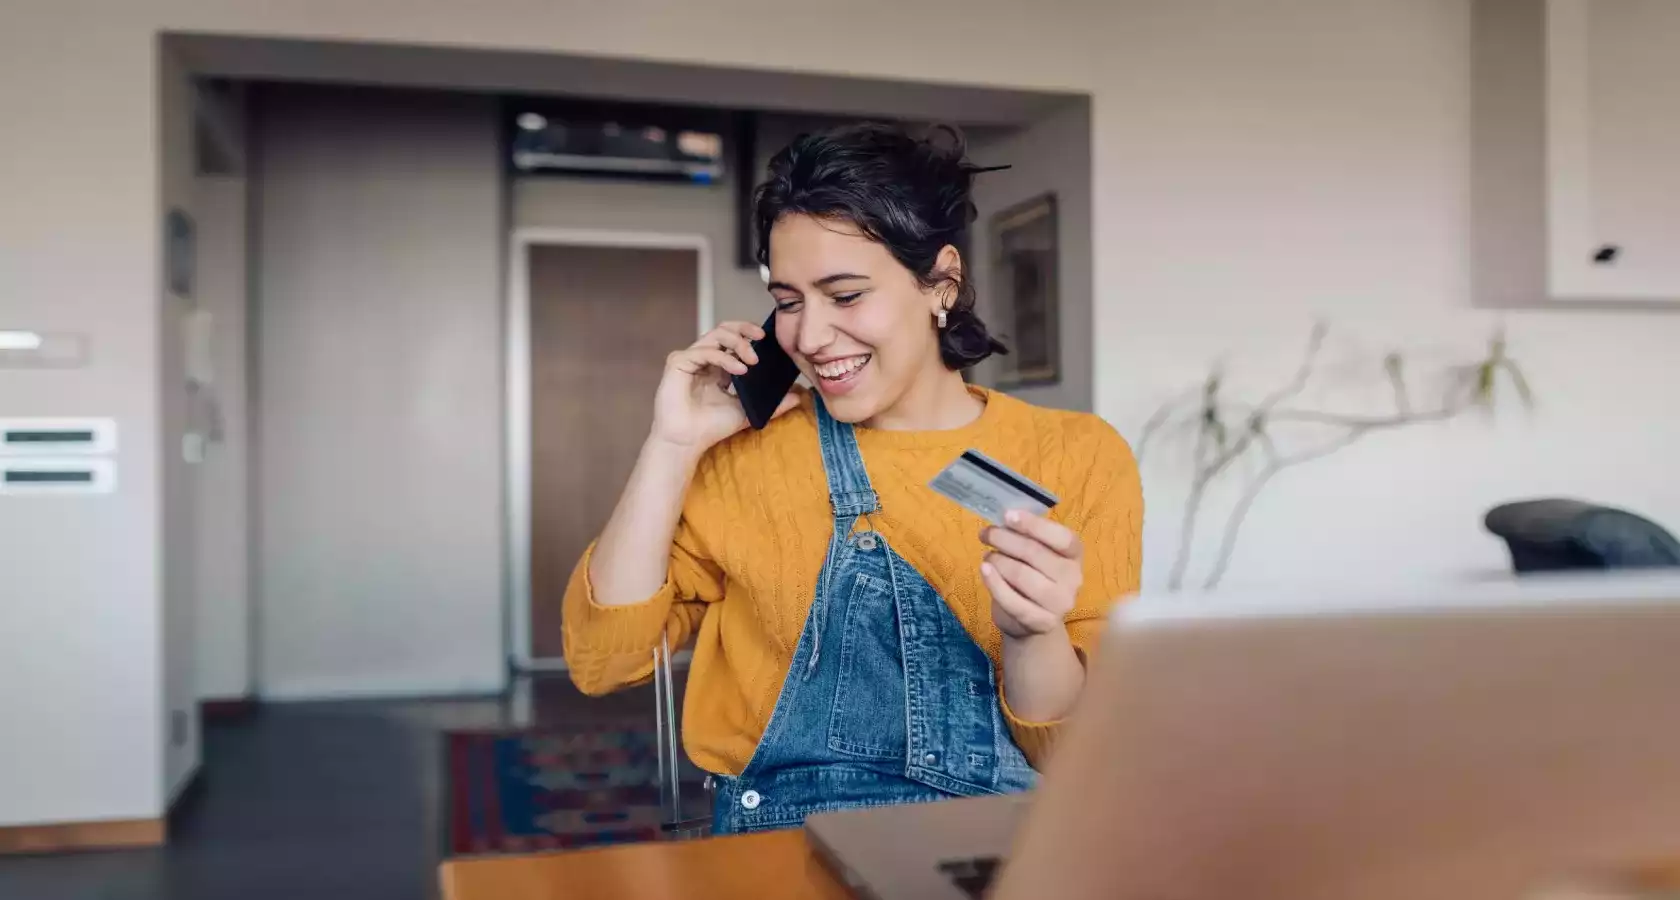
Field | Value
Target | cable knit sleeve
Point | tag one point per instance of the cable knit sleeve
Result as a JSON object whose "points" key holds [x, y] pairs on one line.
{"points": [[1110, 527], [610, 647], [1109, 520]]}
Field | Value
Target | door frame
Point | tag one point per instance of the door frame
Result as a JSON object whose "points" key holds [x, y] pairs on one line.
{"points": [[517, 350]]}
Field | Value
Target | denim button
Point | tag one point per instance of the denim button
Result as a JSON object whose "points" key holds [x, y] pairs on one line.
{"points": [[867, 542], [931, 758], [750, 800]]}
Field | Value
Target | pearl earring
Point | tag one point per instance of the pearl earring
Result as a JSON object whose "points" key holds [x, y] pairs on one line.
{"points": [[942, 319]]}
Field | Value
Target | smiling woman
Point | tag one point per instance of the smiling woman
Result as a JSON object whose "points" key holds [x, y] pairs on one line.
{"points": [[862, 334], [798, 557]]}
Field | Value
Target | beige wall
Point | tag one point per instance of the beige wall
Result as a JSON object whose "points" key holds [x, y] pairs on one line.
{"points": [[1051, 155], [81, 610], [378, 226], [1254, 165]]}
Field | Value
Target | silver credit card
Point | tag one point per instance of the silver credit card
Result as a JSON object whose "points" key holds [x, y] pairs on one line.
{"points": [[989, 489]]}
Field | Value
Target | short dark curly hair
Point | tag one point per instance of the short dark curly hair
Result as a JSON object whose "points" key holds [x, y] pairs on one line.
{"points": [[913, 195]]}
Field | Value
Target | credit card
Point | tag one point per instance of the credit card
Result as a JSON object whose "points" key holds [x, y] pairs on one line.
{"points": [[988, 488]]}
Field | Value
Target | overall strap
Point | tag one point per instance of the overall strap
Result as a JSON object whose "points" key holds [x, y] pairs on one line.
{"points": [[849, 492]]}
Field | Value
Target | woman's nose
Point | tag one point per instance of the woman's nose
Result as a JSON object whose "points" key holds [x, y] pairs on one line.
{"points": [[815, 332]]}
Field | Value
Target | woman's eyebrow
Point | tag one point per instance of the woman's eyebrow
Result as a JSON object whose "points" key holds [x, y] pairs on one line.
{"points": [[827, 280], [824, 281]]}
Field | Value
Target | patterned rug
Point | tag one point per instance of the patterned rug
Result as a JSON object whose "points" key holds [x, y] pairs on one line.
{"points": [[553, 788]]}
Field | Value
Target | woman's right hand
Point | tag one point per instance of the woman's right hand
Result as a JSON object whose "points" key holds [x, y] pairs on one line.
{"points": [[693, 408]]}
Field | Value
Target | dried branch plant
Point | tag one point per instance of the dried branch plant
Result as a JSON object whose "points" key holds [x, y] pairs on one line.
{"points": [[1228, 432]]}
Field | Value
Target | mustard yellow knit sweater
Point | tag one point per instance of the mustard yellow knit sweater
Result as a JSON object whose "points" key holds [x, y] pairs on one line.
{"points": [[755, 529]]}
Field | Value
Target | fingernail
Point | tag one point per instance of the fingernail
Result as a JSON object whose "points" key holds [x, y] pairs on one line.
{"points": [[988, 569], [1013, 517]]}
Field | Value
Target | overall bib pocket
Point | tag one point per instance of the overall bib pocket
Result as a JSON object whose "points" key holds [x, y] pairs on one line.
{"points": [[867, 719]]}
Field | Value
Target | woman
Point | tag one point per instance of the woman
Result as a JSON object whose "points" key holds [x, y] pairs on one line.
{"points": [[858, 639]]}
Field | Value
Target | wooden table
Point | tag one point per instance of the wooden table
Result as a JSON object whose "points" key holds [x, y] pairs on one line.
{"points": [[774, 865]]}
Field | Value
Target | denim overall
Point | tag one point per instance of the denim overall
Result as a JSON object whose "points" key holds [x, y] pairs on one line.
{"points": [[888, 699]]}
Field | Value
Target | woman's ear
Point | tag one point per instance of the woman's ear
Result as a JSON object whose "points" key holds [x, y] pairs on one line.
{"points": [[948, 266]]}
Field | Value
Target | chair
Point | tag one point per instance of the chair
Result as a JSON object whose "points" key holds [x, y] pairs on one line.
{"points": [[1555, 534], [674, 826]]}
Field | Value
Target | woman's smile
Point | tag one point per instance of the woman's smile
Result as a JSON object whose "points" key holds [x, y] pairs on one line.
{"points": [[839, 376]]}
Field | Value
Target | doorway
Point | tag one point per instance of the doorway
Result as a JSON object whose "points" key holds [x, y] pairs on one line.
{"points": [[591, 317]]}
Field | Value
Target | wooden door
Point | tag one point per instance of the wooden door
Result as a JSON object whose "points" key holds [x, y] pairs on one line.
{"points": [[602, 321]]}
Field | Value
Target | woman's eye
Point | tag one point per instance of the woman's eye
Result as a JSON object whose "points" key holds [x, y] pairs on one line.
{"points": [[847, 298], [787, 306]]}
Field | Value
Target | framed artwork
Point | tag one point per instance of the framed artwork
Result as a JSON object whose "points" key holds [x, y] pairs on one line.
{"points": [[1026, 292], [179, 253]]}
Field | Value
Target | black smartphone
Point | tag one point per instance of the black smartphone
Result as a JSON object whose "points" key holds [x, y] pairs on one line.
{"points": [[761, 390]]}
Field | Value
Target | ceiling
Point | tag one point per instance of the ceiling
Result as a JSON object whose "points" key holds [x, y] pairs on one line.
{"points": [[608, 79]]}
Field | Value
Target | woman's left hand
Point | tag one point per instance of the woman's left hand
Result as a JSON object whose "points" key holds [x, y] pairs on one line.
{"points": [[1033, 574]]}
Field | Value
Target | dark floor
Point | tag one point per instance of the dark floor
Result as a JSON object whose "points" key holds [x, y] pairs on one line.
{"points": [[307, 800]]}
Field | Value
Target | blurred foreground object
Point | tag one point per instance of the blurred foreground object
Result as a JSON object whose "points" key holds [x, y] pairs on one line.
{"points": [[1656, 882], [1421, 741], [1555, 534]]}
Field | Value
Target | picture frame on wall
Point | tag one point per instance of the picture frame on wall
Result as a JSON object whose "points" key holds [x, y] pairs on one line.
{"points": [[1026, 291]]}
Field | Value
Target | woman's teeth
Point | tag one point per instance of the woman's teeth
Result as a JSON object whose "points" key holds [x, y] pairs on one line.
{"points": [[840, 368]]}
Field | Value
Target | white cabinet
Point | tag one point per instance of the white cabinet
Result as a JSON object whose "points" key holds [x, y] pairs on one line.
{"points": [[1576, 164]]}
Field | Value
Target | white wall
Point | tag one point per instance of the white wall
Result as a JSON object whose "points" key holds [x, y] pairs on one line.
{"points": [[222, 629], [1259, 165], [379, 225], [80, 613], [1051, 155], [1253, 164]]}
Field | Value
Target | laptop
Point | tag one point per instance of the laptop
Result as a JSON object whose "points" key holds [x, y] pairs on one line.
{"points": [[1514, 740]]}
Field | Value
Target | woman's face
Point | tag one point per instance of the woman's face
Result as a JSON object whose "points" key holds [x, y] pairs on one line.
{"points": [[857, 322]]}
